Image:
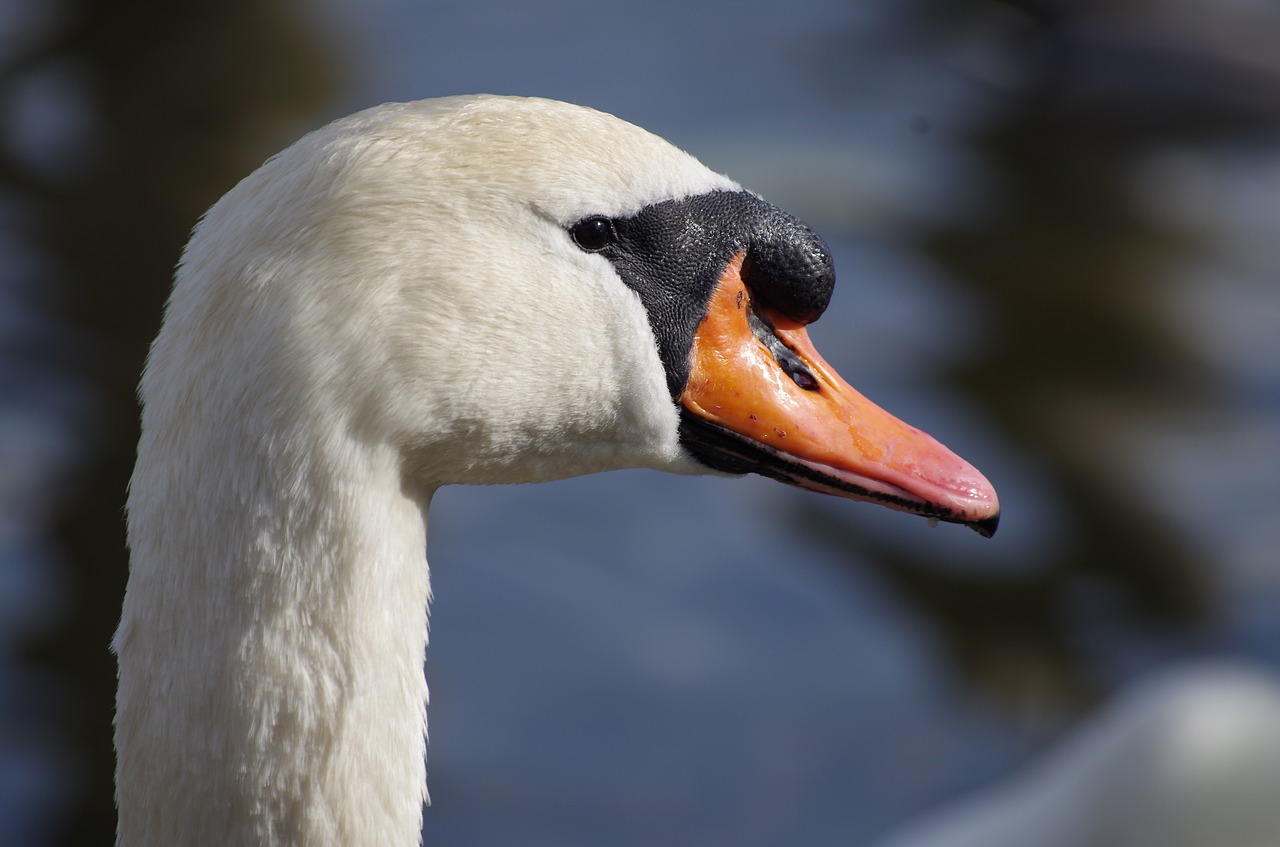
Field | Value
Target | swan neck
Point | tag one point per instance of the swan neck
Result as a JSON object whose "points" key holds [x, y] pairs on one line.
{"points": [[278, 610]]}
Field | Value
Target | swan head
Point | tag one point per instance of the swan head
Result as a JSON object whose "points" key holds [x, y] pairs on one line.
{"points": [[510, 290]]}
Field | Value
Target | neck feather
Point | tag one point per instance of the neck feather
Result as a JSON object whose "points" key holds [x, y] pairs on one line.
{"points": [[272, 643]]}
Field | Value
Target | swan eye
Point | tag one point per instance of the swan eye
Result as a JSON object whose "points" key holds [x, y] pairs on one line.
{"points": [[593, 234]]}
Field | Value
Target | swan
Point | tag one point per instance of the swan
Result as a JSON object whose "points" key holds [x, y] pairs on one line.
{"points": [[1189, 758], [464, 290]]}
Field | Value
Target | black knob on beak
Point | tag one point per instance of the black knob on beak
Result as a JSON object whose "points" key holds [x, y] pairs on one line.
{"points": [[788, 268]]}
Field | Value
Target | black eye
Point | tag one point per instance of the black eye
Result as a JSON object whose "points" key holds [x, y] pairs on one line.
{"points": [[592, 234]]}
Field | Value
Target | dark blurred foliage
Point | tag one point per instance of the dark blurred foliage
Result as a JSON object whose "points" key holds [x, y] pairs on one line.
{"points": [[1070, 272], [182, 99]]}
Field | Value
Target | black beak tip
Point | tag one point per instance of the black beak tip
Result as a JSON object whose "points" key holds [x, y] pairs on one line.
{"points": [[987, 526]]}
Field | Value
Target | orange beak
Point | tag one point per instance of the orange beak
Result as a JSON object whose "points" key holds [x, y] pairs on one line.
{"points": [[760, 398]]}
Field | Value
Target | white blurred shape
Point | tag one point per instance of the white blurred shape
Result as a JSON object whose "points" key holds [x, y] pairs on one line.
{"points": [[1191, 759]]}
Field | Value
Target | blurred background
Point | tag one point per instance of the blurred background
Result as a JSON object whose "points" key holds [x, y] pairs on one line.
{"points": [[1056, 227]]}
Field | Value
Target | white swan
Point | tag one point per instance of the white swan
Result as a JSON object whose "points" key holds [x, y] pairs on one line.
{"points": [[1189, 759], [478, 289]]}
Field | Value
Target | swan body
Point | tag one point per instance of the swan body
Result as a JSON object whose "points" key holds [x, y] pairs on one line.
{"points": [[1189, 759], [465, 290]]}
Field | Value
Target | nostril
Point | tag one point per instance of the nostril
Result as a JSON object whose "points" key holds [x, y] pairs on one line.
{"points": [[792, 365], [788, 267], [803, 378]]}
